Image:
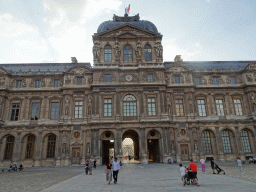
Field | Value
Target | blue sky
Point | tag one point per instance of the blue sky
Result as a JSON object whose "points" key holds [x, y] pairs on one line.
{"points": [[36, 31]]}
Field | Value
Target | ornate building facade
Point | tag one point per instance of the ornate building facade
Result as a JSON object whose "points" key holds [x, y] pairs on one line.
{"points": [[59, 114]]}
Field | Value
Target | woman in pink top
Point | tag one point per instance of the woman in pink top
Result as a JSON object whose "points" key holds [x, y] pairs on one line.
{"points": [[202, 161]]}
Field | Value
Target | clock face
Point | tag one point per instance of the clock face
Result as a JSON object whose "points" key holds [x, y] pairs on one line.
{"points": [[128, 77]]}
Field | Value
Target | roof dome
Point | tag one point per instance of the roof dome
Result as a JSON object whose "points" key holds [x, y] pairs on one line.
{"points": [[135, 20]]}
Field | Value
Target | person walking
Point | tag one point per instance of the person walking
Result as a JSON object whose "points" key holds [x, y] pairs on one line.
{"points": [[94, 163], [112, 160], [202, 161], [86, 167], [108, 172], [213, 165], [90, 167], [193, 168], [116, 167], [183, 172], [239, 165]]}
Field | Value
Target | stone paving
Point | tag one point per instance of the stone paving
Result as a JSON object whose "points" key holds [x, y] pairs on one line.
{"points": [[132, 178]]}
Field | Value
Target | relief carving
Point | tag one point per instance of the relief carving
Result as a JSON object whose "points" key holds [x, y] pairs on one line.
{"points": [[188, 78], [79, 71], [117, 52], [159, 51], [167, 79], [204, 81], [84, 81], [43, 84], [2, 81], [51, 83], [221, 79], [90, 79], [67, 79], [138, 51], [228, 80], [249, 77], [12, 84], [96, 51], [210, 80], [32, 83]]}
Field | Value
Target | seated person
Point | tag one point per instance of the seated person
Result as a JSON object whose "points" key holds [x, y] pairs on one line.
{"points": [[21, 167], [193, 168]]}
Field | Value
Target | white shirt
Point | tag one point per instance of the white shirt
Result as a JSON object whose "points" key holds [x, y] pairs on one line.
{"points": [[182, 171], [202, 161], [116, 166]]}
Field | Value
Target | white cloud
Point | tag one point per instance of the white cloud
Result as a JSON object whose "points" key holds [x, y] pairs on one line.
{"points": [[12, 27]]}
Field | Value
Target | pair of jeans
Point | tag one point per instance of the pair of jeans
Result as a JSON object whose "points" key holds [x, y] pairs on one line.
{"points": [[115, 173]]}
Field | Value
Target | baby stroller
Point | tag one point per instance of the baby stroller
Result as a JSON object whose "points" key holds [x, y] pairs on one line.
{"points": [[218, 169], [189, 178]]}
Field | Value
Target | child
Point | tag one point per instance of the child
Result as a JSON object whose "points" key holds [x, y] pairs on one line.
{"points": [[182, 172]]}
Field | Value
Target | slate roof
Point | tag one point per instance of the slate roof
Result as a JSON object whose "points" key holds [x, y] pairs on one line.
{"points": [[212, 65], [42, 67]]}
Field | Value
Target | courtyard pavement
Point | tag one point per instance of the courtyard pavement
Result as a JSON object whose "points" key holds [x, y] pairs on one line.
{"points": [[132, 178]]}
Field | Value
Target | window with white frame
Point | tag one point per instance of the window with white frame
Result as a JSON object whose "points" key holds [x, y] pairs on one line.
{"points": [[177, 79], [219, 107], [207, 142], [35, 111], [151, 106], [238, 107], [18, 84], [78, 109], [15, 112], [246, 141], [56, 83], [79, 80], [107, 53], [198, 81], [179, 107], [226, 142], [107, 107], [201, 107], [38, 84], [150, 77], [215, 80], [129, 106], [55, 111], [233, 80]]}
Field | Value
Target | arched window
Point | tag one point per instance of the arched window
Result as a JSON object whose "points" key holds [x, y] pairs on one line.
{"points": [[246, 141], [30, 149], [207, 142], [226, 142], [107, 53], [148, 53], [130, 106], [9, 148], [51, 146], [127, 53]]}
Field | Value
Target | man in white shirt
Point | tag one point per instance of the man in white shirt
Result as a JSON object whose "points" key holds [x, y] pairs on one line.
{"points": [[116, 167]]}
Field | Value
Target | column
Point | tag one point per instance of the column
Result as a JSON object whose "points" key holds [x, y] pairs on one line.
{"points": [[26, 110], [92, 143], [141, 103], [67, 160], [38, 153], [161, 102], [199, 139], [8, 105], [83, 147], [118, 103], [191, 141], [239, 143], [17, 146], [143, 143], [165, 102], [59, 147], [46, 106], [219, 145], [97, 103], [93, 104]]}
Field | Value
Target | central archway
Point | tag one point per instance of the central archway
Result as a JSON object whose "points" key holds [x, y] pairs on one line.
{"points": [[130, 146]]}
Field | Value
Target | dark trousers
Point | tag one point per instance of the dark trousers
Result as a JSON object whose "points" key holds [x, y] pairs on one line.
{"points": [[115, 173]]}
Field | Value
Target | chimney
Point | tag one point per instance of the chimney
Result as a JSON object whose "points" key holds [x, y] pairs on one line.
{"points": [[74, 60], [178, 58]]}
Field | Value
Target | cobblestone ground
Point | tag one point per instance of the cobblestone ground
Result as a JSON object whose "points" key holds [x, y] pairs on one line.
{"points": [[232, 171], [35, 179]]}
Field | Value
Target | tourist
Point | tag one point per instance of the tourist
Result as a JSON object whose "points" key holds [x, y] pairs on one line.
{"points": [[112, 160], [239, 165], [108, 172], [90, 167], [193, 168], [213, 165], [202, 161], [182, 172], [94, 163], [20, 167], [86, 167], [116, 167]]}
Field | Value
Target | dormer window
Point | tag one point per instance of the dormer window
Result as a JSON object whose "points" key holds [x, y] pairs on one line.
{"points": [[150, 77], [128, 53], [177, 79], [233, 80], [215, 80], [18, 84], [79, 80], [38, 84]]}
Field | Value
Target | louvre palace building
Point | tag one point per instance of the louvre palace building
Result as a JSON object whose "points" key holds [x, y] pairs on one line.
{"points": [[129, 102]]}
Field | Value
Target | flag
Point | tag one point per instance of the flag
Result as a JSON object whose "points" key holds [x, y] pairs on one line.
{"points": [[127, 9]]}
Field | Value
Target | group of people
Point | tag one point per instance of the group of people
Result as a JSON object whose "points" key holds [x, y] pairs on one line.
{"points": [[191, 172], [112, 166], [15, 168], [88, 166], [252, 160]]}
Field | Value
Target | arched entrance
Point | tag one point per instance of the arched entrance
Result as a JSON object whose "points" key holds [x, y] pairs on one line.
{"points": [[108, 141], [130, 146], [153, 144]]}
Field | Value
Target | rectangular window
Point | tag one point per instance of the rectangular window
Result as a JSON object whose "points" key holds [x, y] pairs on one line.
{"points": [[79, 80], [55, 111], [215, 80], [18, 84], [226, 142], [151, 106], [179, 107], [15, 112], [78, 109], [107, 78], [150, 77], [233, 80], [219, 107], [201, 108], [38, 83], [238, 107], [56, 83], [35, 111], [107, 107], [177, 79], [198, 81]]}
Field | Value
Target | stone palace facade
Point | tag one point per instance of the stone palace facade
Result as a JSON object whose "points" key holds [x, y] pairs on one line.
{"points": [[59, 114]]}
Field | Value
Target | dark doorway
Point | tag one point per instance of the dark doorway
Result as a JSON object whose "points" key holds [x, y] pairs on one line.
{"points": [[184, 152], [107, 147], [153, 150], [76, 156], [130, 145]]}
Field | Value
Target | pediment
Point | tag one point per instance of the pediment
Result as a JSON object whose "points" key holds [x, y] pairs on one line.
{"points": [[251, 67], [127, 31], [3, 71], [177, 68], [78, 70]]}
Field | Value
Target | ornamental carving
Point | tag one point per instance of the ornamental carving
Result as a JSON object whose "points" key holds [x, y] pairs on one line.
{"points": [[32, 83], [176, 69], [249, 77], [96, 51], [67, 79], [221, 80], [182, 78], [90, 79], [84, 81], [117, 52], [102, 76], [188, 78], [210, 80], [138, 51], [24, 83], [2, 81], [159, 51], [145, 75], [167, 79], [128, 77], [43, 84], [79, 71], [51, 83], [12, 84], [228, 81], [2, 71], [204, 81]]}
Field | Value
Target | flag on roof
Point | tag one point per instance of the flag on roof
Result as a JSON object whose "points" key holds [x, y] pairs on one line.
{"points": [[127, 9]]}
